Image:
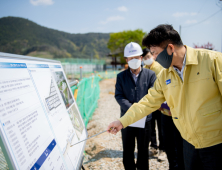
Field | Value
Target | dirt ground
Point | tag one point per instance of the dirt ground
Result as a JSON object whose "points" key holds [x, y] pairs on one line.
{"points": [[105, 151]]}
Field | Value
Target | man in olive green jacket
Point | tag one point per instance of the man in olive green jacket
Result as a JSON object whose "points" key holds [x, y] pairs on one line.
{"points": [[191, 83], [169, 137]]}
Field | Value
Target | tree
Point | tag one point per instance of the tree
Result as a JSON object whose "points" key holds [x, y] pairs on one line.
{"points": [[119, 40], [208, 46]]}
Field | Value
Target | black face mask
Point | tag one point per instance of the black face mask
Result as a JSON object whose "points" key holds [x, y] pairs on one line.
{"points": [[164, 58]]}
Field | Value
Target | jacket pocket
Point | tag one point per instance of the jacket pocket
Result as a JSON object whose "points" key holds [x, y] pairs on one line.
{"points": [[209, 121], [211, 110], [211, 113]]}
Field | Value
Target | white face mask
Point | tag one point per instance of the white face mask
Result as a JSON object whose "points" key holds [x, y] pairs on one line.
{"points": [[134, 63], [148, 61]]}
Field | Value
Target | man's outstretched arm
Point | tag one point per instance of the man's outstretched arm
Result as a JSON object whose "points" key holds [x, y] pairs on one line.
{"points": [[149, 103]]}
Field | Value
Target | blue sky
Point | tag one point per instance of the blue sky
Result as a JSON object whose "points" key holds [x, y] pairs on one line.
{"points": [[117, 15]]}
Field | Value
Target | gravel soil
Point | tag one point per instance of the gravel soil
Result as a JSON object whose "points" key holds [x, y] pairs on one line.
{"points": [[105, 151]]}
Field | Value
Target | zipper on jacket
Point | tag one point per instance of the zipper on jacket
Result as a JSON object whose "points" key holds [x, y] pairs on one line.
{"points": [[185, 130], [190, 120], [191, 123]]}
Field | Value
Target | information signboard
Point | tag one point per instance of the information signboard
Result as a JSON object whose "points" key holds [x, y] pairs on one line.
{"points": [[39, 118]]}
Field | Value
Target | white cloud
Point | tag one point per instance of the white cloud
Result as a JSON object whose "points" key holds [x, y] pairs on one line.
{"points": [[122, 9], [113, 18], [41, 2], [182, 14], [191, 21]]}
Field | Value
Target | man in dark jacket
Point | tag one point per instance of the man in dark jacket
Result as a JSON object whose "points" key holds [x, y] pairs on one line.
{"points": [[132, 85]]}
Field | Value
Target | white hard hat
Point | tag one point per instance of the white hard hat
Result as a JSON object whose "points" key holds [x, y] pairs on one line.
{"points": [[132, 49]]}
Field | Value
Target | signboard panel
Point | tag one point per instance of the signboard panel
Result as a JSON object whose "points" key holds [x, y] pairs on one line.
{"points": [[39, 118]]}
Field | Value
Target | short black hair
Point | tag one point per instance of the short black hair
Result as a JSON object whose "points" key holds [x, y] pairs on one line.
{"points": [[161, 36], [145, 51]]}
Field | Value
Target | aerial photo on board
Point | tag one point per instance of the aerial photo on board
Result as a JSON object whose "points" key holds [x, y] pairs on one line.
{"points": [[63, 88]]}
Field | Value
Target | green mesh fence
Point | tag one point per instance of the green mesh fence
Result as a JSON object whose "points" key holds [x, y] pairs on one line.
{"points": [[88, 95], [73, 88], [81, 61], [107, 74]]}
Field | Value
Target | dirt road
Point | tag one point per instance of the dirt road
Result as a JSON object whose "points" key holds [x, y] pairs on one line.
{"points": [[105, 151]]}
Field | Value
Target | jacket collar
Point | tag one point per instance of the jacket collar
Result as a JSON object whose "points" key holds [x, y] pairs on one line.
{"points": [[191, 57], [154, 64], [131, 73]]}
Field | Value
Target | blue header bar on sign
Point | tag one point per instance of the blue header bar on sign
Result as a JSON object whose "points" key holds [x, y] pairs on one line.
{"points": [[37, 65], [44, 156], [54, 66], [13, 65]]}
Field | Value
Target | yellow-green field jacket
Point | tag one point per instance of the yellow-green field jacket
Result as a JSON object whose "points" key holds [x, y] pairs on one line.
{"points": [[156, 67], [195, 103]]}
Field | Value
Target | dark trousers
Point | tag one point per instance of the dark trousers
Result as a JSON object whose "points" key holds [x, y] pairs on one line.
{"points": [[202, 159], [156, 118], [129, 134], [173, 143]]}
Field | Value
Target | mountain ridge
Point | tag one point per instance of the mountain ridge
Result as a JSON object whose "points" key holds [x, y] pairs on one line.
{"points": [[22, 36]]}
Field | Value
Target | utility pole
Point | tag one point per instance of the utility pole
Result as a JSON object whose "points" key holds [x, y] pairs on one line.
{"points": [[80, 73]]}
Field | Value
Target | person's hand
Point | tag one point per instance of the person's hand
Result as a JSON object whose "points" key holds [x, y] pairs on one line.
{"points": [[114, 127], [160, 109]]}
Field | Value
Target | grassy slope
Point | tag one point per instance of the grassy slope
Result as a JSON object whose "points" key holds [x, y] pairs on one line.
{"points": [[21, 36]]}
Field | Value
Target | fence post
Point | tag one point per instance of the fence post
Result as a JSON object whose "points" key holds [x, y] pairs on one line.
{"points": [[80, 72]]}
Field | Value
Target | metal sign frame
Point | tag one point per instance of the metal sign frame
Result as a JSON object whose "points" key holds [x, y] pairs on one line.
{"points": [[3, 145]]}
